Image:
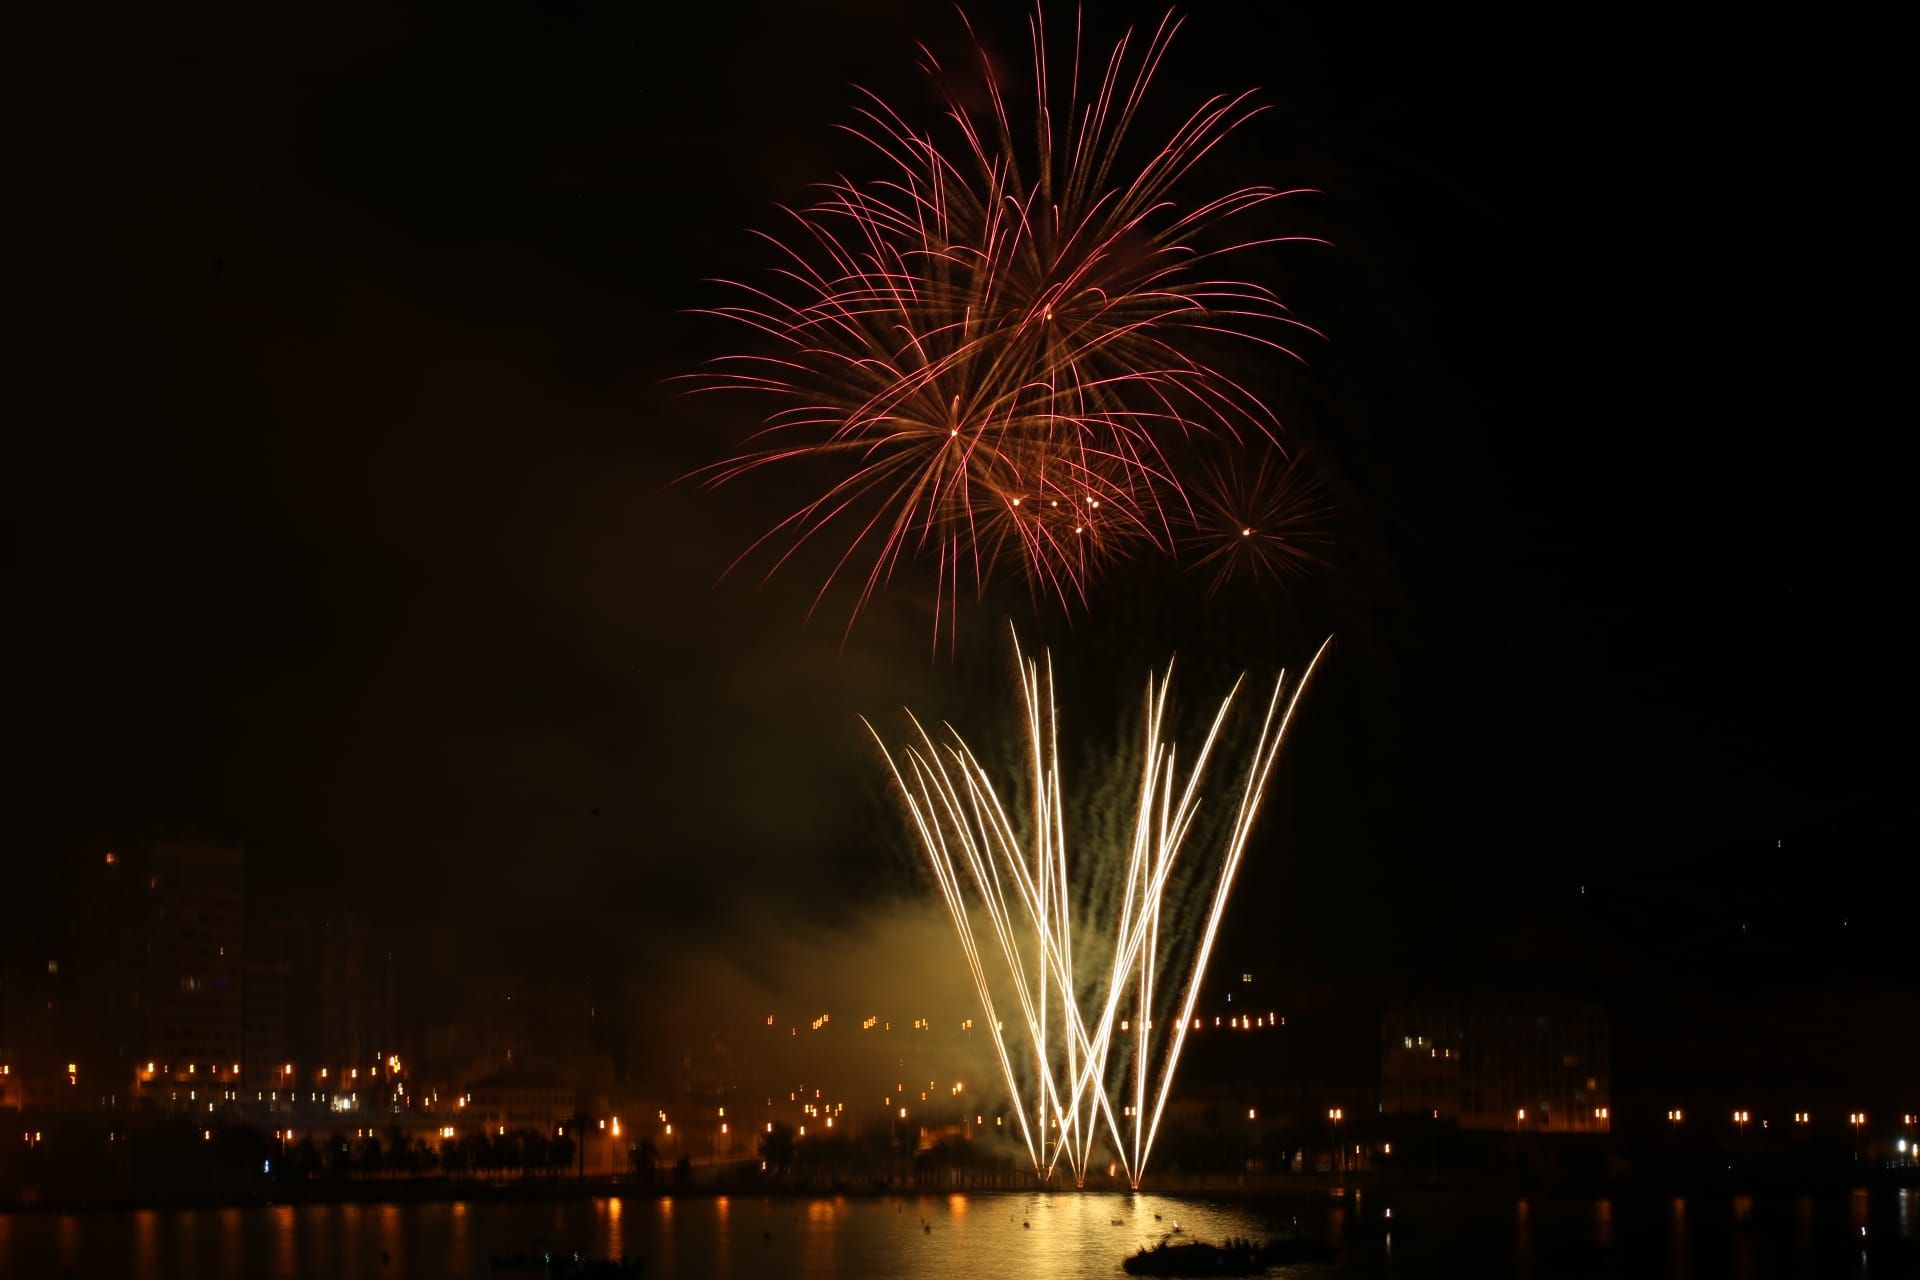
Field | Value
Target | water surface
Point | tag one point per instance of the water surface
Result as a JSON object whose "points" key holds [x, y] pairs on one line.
{"points": [[1414, 1234]]}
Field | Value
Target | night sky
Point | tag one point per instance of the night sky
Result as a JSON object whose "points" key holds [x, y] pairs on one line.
{"points": [[340, 520]]}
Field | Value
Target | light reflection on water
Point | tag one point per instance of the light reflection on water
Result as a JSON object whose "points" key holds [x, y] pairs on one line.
{"points": [[1434, 1233]]}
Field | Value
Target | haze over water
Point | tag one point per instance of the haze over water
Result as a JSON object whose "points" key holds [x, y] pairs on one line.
{"points": [[1430, 1234]]}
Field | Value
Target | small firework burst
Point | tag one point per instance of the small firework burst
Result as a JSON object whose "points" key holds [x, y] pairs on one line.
{"points": [[1264, 523]]}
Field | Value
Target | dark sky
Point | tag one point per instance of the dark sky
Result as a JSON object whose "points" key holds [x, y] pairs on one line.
{"points": [[338, 519]]}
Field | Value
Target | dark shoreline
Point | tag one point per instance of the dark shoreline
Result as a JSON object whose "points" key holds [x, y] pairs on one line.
{"points": [[1292, 1188]]}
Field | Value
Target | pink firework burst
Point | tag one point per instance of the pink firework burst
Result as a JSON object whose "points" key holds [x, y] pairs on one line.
{"points": [[1003, 350]]}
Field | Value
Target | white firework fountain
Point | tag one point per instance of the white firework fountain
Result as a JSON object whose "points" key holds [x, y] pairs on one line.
{"points": [[1083, 1052]]}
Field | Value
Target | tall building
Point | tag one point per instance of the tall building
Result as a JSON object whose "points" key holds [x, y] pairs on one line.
{"points": [[105, 1028], [1537, 1070], [335, 987], [356, 992], [264, 1056], [194, 1005]]}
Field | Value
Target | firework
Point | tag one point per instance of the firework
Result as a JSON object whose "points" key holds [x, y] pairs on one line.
{"points": [[1002, 348], [1079, 1038], [1264, 523]]}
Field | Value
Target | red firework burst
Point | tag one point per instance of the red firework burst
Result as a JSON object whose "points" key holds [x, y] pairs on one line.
{"points": [[1004, 349], [1265, 523]]}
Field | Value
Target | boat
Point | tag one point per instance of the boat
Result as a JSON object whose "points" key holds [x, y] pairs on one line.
{"points": [[1232, 1258]]}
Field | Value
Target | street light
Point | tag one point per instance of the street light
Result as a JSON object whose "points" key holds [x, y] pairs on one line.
{"points": [[1856, 1119], [1740, 1118], [1336, 1115]]}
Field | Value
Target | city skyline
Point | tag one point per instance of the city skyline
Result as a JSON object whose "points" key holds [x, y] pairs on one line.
{"points": [[387, 691]]}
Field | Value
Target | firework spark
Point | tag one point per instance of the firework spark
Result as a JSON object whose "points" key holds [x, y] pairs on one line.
{"points": [[1011, 895], [1003, 347]]}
